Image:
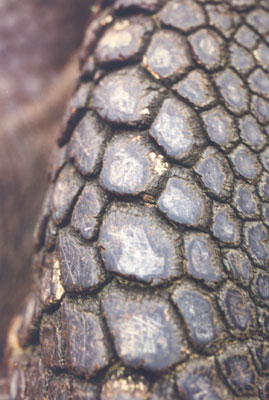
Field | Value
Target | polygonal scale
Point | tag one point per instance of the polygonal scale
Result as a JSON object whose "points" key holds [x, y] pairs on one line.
{"points": [[199, 379], [241, 59], [246, 37], [185, 203], [220, 127], [225, 226], [260, 288], [87, 144], [51, 341], [182, 14], [263, 187], [260, 109], [256, 242], [246, 201], [215, 173], [208, 48], [177, 130], [80, 266], [239, 310], [259, 82], [86, 349], [126, 97], [237, 367], [223, 18], [136, 244], [196, 88], [259, 19], [131, 165], [146, 331], [262, 55], [233, 90], [66, 189], [124, 40], [245, 162], [251, 133], [264, 158], [86, 214], [202, 257], [168, 55], [238, 266], [260, 354], [199, 313], [265, 213]]}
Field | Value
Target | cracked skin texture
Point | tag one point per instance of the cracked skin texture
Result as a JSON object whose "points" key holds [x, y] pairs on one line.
{"points": [[151, 282]]}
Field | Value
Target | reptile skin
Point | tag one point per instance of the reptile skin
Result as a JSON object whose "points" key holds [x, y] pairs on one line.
{"points": [[152, 251]]}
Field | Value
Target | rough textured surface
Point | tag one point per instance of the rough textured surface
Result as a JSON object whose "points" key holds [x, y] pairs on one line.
{"points": [[220, 127], [225, 226], [197, 89], [80, 265], [202, 258], [184, 15], [237, 367], [113, 98], [184, 202], [125, 40], [233, 91], [86, 146], [146, 331], [67, 182], [86, 349], [215, 173], [177, 130], [200, 380], [238, 309], [159, 277], [202, 321], [208, 48], [137, 245], [132, 166], [168, 56], [86, 214]]}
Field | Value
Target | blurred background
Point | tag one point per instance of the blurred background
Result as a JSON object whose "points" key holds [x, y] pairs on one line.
{"points": [[38, 69]]}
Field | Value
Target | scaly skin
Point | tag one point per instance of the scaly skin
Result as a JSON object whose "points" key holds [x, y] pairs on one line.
{"points": [[152, 253]]}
